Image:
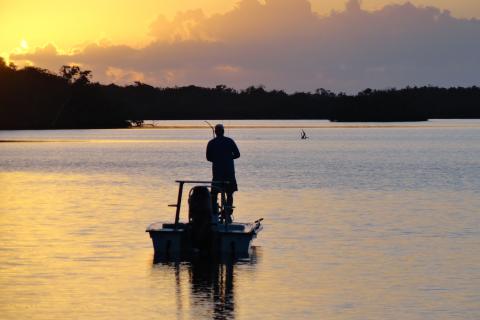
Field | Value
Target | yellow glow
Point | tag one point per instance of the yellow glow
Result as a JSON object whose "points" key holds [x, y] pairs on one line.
{"points": [[113, 21]]}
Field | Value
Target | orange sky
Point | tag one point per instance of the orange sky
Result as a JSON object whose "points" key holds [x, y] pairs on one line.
{"points": [[26, 24], [283, 44]]}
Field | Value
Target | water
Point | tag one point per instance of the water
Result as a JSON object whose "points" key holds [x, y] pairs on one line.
{"points": [[361, 222]]}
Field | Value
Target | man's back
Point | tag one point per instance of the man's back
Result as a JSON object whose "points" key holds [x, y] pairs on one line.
{"points": [[221, 151]]}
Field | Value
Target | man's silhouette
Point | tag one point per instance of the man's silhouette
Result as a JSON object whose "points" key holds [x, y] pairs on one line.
{"points": [[221, 151]]}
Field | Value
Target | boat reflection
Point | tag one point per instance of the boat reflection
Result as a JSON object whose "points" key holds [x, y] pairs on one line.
{"points": [[207, 286]]}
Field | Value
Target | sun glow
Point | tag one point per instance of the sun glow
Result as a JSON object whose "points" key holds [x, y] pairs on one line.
{"points": [[24, 44]]}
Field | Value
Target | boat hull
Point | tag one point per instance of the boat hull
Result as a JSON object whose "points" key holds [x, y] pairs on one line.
{"points": [[233, 239]]}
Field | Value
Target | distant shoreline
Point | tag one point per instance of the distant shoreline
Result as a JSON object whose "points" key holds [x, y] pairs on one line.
{"points": [[234, 126], [327, 125], [36, 99]]}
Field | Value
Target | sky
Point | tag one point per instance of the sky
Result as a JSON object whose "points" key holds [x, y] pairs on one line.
{"points": [[295, 45]]}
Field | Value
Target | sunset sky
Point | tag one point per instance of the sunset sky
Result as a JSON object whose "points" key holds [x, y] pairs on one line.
{"points": [[283, 44]]}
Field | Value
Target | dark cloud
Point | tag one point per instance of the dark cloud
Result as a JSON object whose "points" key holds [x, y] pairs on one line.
{"points": [[284, 44]]}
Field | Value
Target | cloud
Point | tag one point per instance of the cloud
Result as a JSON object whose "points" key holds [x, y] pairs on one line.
{"points": [[285, 45], [185, 26]]}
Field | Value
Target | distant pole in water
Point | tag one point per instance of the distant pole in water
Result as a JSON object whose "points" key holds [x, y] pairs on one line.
{"points": [[211, 127], [303, 135]]}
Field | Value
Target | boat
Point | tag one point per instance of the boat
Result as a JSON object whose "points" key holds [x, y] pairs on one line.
{"points": [[209, 229]]}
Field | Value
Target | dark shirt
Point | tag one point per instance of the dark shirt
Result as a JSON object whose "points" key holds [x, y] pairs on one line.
{"points": [[221, 151]]}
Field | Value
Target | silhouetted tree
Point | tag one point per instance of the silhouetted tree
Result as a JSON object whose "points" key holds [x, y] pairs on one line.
{"points": [[35, 98], [73, 74]]}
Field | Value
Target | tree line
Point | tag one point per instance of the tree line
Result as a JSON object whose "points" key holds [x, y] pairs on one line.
{"points": [[35, 98]]}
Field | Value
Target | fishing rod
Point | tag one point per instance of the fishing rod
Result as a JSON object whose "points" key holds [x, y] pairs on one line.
{"points": [[211, 127]]}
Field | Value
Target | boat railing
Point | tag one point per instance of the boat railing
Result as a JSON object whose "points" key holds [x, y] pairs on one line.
{"points": [[181, 184]]}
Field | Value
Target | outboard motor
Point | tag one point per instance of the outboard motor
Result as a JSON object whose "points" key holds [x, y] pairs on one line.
{"points": [[200, 218]]}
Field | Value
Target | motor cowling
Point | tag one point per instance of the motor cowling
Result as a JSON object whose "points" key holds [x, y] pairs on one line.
{"points": [[200, 217]]}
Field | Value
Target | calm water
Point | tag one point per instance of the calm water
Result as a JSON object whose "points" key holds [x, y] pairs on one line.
{"points": [[361, 222]]}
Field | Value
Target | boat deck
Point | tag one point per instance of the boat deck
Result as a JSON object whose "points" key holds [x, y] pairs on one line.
{"points": [[234, 227]]}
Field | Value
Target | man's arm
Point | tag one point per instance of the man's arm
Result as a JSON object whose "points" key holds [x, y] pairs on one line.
{"points": [[209, 151], [235, 151]]}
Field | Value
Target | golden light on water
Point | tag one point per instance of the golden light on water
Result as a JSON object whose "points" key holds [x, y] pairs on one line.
{"points": [[359, 223]]}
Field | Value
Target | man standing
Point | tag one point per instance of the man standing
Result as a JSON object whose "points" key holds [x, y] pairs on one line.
{"points": [[221, 151]]}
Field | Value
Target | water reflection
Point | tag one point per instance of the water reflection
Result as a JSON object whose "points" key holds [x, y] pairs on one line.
{"points": [[362, 224], [205, 287]]}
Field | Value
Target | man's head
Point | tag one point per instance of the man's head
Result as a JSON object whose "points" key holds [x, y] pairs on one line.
{"points": [[219, 130]]}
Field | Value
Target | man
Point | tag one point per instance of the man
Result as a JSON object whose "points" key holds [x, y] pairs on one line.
{"points": [[221, 151]]}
